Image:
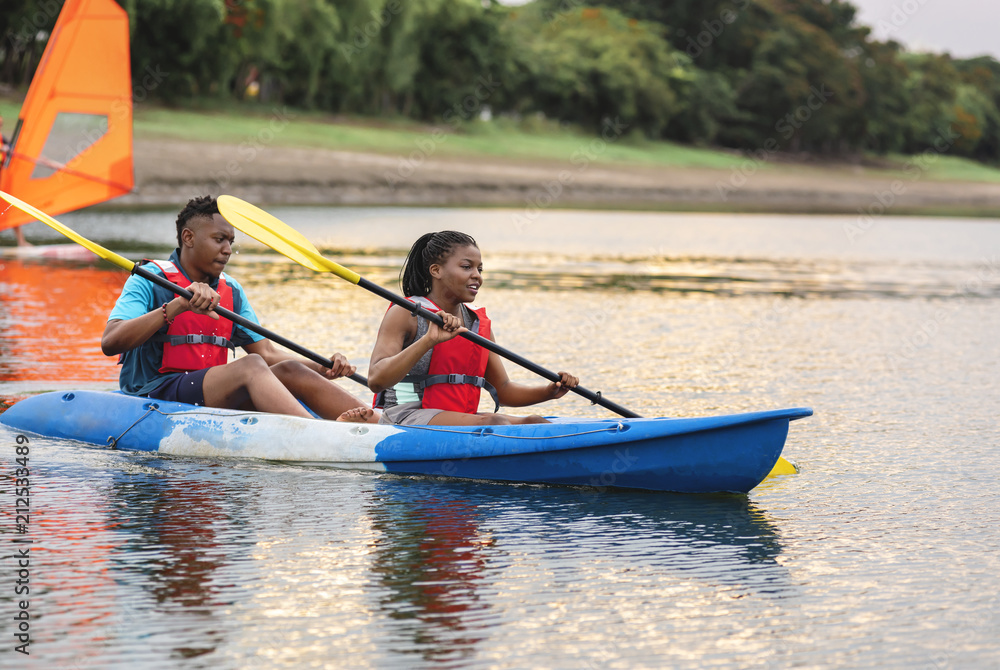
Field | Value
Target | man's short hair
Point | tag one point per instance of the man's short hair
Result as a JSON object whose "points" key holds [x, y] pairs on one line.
{"points": [[204, 206]]}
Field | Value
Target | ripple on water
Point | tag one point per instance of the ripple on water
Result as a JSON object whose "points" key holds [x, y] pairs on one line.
{"points": [[880, 553]]}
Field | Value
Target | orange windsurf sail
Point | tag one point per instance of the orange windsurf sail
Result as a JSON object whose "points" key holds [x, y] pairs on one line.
{"points": [[72, 146]]}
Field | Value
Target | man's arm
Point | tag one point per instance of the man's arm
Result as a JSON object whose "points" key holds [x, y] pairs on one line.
{"points": [[121, 335], [273, 355]]}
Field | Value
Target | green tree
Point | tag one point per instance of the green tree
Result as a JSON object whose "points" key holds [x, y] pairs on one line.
{"points": [[931, 85], [180, 38], [22, 23], [982, 74], [709, 101], [876, 125], [462, 60], [589, 65], [797, 89], [282, 44]]}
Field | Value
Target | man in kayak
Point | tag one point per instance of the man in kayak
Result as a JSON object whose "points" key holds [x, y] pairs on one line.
{"points": [[177, 349]]}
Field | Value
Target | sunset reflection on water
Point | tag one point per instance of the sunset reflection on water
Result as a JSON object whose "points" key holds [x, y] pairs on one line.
{"points": [[51, 320]]}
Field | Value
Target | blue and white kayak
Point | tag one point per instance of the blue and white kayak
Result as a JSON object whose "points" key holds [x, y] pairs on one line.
{"points": [[693, 455]]}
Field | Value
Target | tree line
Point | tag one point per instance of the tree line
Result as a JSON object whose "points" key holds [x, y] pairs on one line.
{"points": [[796, 75]]}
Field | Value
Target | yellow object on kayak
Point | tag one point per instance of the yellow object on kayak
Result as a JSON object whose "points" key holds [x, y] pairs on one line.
{"points": [[783, 467]]}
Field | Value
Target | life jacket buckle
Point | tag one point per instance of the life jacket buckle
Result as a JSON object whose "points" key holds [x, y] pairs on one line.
{"points": [[456, 379]]}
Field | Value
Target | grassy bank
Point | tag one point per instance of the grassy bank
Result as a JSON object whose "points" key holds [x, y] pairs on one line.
{"points": [[503, 139], [499, 139]]}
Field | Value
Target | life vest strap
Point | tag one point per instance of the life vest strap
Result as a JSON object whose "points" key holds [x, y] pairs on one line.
{"points": [[423, 381], [177, 340]]}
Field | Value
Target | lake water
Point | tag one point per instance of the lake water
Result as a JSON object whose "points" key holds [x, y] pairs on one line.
{"points": [[884, 551]]}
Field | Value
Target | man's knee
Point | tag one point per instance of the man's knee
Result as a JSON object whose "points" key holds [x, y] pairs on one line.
{"points": [[249, 365], [290, 370]]}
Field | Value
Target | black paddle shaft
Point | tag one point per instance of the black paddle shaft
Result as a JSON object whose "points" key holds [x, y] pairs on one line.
{"points": [[490, 345], [160, 280]]}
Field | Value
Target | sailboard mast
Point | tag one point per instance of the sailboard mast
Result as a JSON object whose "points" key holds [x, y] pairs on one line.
{"points": [[72, 145]]}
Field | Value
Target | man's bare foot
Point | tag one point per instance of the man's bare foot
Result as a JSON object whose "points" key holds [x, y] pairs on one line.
{"points": [[21, 242], [359, 415]]}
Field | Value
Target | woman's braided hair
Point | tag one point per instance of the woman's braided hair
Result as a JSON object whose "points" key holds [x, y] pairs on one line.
{"points": [[430, 248]]}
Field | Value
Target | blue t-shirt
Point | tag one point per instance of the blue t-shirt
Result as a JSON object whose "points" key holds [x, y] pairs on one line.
{"points": [[140, 371]]}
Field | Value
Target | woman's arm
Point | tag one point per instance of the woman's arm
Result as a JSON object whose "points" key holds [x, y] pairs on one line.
{"points": [[391, 359], [512, 394]]}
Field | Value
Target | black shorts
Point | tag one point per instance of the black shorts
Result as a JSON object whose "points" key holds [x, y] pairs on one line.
{"points": [[186, 387]]}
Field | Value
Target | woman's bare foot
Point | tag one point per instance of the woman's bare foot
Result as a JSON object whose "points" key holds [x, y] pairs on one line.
{"points": [[359, 415]]}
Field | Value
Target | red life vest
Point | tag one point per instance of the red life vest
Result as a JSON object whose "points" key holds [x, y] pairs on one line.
{"points": [[457, 368], [195, 341]]}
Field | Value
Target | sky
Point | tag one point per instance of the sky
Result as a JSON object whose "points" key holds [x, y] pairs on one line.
{"points": [[963, 28]]}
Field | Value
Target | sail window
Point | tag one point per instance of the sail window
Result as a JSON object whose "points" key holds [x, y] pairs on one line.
{"points": [[72, 134]]}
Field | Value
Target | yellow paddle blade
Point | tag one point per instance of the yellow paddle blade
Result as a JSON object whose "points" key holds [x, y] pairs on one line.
{"points": [[783, 467], [273, 225], [275, 233], [106, 254]]}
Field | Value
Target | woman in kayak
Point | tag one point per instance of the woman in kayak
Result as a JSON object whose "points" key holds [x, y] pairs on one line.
{"points": [[423, 373]]}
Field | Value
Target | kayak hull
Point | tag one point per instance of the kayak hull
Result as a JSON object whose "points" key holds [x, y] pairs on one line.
{"points": [[694, 455]]}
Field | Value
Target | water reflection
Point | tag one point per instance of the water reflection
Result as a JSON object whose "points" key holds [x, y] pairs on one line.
{"points": [[176, 536], [51, 319], [71, 582], [432, 561], [448, 547], [721, 276]]}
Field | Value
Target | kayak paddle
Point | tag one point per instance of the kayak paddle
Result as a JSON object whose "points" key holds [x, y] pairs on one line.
{"points": [[268, 229], [281, 237], [136, 268], [298, 251]]}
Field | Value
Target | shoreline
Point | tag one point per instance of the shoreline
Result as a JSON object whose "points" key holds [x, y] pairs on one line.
{"points": [[167, 175]]}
